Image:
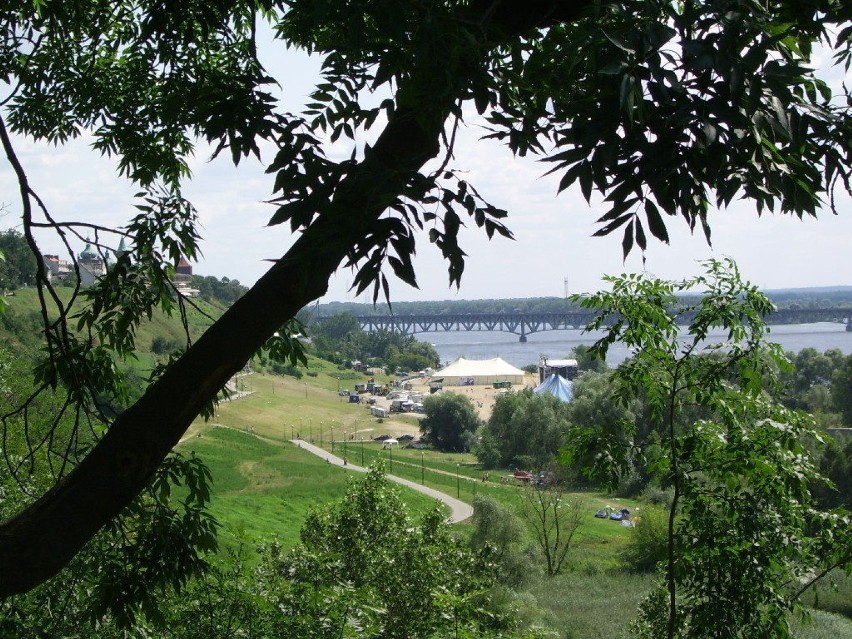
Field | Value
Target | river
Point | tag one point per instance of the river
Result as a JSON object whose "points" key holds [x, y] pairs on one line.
{"points": [[558, 344]]}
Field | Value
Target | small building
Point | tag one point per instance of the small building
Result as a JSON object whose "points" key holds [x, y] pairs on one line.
{"points": [[57, 269], [564, 368], [183, 279], [92, 265]]}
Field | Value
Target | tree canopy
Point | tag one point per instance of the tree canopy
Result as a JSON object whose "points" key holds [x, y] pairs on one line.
{"points": [[524, 430], [743, 525], [450, 423], [665, 109]]}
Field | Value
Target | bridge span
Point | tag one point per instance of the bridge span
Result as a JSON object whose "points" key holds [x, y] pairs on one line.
{"points": [[523, 324]]}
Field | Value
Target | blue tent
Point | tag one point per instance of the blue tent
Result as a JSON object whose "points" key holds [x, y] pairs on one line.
{"points": [[556, 385]]}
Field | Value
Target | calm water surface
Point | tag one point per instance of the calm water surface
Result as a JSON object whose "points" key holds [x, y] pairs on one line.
{"points": [[555, 344]]}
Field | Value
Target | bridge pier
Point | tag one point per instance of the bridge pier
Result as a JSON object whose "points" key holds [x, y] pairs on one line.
{"points": [[849, 324], [523, 338]]}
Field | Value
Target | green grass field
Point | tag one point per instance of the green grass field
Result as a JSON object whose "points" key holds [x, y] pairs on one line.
{"points": [[264, 487]]}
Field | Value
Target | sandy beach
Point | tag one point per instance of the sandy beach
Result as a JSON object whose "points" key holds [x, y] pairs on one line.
{"points": [[482, 396]]}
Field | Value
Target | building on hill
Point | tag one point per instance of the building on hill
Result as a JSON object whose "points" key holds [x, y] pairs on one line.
{"points": [[183, 279], [90, 264], [57, 269], [122, 250]]}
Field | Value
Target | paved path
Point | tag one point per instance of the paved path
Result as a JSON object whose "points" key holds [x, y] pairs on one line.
{"points": [[459, 509]]}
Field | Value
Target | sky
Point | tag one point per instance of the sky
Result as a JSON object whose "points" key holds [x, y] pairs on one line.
{"points": [[553, 253]]}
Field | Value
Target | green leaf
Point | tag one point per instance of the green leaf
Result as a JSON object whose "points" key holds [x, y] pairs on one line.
{"points": [[655, 221]]}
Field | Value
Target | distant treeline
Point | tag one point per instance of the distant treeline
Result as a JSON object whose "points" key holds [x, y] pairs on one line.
{"points": [[223, 290], [822, 297]]}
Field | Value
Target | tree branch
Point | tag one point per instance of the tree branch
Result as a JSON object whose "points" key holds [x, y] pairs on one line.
{"points": [[41, 540]]}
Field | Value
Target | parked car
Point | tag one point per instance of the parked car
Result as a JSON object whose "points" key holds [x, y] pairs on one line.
{"points": [[522, 475], [616, 516], [343, 393], [603, 513]]}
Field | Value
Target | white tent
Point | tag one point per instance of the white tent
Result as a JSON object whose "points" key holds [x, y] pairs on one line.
{"points": [[469, 372]]}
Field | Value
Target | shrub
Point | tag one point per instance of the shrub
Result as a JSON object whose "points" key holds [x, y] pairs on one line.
{"points": [[163, 346], [658, 496], [285, 369], [495, 526], [648, 541]]}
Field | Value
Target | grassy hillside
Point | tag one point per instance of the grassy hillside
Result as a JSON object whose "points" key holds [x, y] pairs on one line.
{"points": [[264, 486], [21, 324]]}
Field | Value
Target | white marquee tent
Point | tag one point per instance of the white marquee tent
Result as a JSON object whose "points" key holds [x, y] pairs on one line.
{"points": [[469, 372]]}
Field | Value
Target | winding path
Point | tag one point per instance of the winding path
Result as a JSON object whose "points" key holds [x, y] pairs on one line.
{"points": [[459, 509]]}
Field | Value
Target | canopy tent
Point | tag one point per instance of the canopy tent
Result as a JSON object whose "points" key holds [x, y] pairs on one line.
{"points": [[558, 386], [467, 372]]}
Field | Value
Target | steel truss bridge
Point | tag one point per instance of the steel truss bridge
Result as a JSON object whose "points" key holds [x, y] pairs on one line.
{"points": [[523, 324]]}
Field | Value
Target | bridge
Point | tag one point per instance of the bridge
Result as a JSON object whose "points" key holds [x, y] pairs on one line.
{"points": [[523, 324]]}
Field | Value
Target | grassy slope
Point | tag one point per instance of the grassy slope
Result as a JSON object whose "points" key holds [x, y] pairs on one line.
{"points": [[264, 486], [21, 322]]}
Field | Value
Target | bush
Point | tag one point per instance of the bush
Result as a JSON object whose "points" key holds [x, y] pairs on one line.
{"points": [[163, 346], [495, 526], [658, 496], [649, 540], [285, 369]]}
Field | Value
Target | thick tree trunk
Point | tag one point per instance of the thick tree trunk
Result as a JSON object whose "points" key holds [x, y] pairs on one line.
{"points": [[38, 542]]}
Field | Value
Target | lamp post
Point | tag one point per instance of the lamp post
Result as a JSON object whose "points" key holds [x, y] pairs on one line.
{"points": [[332, 438], [458, 486], [421, 468], [362, 450], [321, 425], [390, 455], [344, 443]]}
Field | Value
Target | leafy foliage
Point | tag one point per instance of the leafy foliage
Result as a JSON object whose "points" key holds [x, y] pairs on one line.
{"points": [[365, 569], [668, 109], [740, 473], [17, 264], [450, 423], [224, 290], [119, 581], [525, 430]]}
